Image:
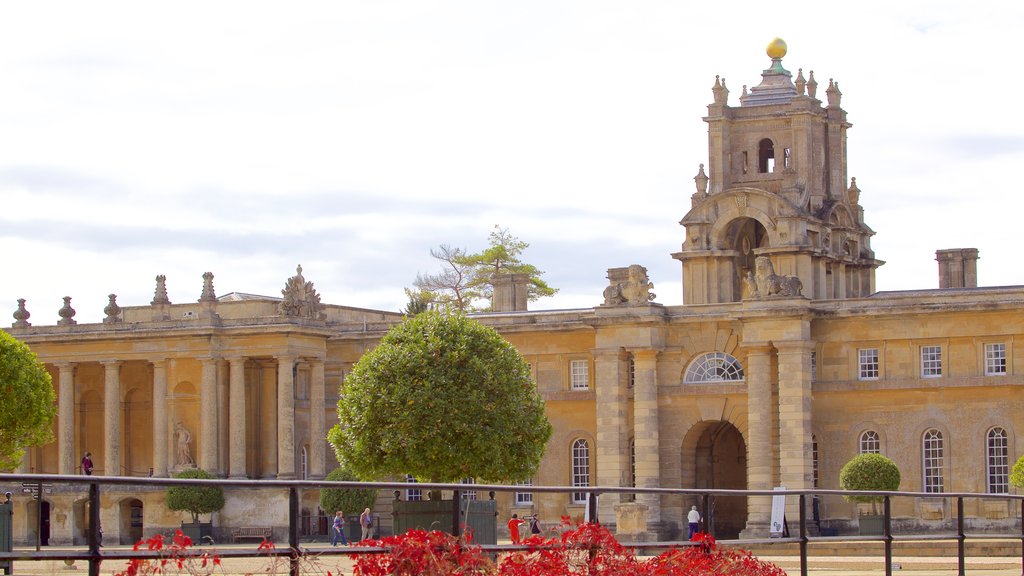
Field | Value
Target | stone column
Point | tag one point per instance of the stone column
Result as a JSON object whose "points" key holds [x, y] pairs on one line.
{"points": [[160, 429], [286, 417], [236, 433], [645, 431], [795, 460], [268, 424], [208, 416], [112, 417], [223, 416], [612, 444], [759, 460], [66, 418], [317, 434]]}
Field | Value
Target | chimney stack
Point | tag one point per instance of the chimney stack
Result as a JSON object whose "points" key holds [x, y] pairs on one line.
{"points": [[510, 292], [958, 267]]}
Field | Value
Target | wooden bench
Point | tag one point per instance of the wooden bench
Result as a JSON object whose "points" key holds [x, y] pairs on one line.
{"points": [[254, 532]]}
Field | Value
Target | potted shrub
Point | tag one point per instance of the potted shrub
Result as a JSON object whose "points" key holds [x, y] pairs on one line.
{"points": [[195, 500], [350, 501], [443, 398], [870, 472]]}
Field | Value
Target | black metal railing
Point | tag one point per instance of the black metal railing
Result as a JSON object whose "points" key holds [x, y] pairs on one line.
{"points": [[294, 552]]}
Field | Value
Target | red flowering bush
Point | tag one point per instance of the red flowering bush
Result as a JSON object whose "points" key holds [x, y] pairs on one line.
{"points": [[418, 552], [176, 558]]}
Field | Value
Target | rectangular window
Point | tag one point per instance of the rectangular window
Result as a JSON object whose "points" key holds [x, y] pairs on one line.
{"points": [[867, 364], [814, 367], [524, 498], [630, 371], [995, 359], [579, 373], [468, 494], [931, 361], [413, 494]]}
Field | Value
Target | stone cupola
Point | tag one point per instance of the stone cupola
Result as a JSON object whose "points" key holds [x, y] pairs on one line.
{"points": [[776, 186]]}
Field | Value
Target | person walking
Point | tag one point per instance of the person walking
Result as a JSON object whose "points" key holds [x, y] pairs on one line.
{"points": [[366, 523], [339, 529], [513, 528], [87, 464], [694, 519]]}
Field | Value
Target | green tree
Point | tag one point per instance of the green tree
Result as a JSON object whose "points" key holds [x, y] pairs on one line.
{"points": [[1017, 474], [872, 472], [442, 397], [419, 301], [345, 499], [28, 408], [195, 500], [502, 257], [467, 278]]}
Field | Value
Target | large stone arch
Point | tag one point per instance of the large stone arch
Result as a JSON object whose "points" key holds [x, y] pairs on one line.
{"points": [[714, 456], [137, 419]]}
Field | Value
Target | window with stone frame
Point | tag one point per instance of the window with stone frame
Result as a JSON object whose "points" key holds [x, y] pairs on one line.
{"points": [[814, 461], [932, 461], [867, 364], [997, 461], [632, 467], [630, 371], [304, 464], [814, 366], [413, 494], [468, 494], [524, 498], [580, 469], [995, 359], [870, 443], [931, 361], [579, 375], [713, 367]]}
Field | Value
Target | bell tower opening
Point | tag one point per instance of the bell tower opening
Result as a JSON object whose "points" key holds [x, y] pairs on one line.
{"points": [[765, 156], [745, 234]]}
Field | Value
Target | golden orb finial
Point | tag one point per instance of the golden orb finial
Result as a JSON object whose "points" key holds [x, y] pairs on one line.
{"points": [[776, 48]]}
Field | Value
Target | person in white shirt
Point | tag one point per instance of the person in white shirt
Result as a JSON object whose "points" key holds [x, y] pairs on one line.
{"points": [[694, 519]]}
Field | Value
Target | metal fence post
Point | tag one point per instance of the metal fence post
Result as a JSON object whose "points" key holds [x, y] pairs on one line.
{"points": [[960, 538], [803, 535], [293, 530], [592, 507], [887, 533], [95, 530]]}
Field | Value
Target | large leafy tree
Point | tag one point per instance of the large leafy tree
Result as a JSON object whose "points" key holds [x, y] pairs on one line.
{"points": [[467, 278], [27, 411], [442, 397]]}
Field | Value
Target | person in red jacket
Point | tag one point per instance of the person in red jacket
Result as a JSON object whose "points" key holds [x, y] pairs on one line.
{"points": [[513, 528]]}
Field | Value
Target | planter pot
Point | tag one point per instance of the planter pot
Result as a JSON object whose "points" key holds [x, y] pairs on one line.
{"points": [[871, 524], [198, 531]]}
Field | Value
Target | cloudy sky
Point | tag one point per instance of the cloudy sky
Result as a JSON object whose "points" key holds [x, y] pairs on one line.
{"points": [[244, 138]]}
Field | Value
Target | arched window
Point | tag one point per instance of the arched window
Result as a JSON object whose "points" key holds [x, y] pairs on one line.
{"points": [[304, 464], [765, 156], [997, 461], [932, 456], [870, 443], [714, 367], [580, 469]]}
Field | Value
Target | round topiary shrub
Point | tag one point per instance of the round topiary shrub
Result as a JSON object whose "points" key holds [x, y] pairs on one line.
{"points": [[872, 472], [195, 500], [345, 499]]}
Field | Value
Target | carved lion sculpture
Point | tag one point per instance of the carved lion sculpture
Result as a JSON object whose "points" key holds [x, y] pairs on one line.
{"points": [[768, 283], [635, 290]]}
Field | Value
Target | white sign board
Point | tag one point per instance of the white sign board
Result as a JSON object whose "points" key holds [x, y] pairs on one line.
{"points": [[778, 522]]}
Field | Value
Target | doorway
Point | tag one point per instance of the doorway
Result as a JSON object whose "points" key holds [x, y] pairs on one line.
{"points": [[720, 462]]}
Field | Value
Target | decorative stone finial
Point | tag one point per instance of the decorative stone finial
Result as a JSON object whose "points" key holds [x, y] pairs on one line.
{"points": [[300, 299], [812, 86], [833, 94], [160, 296], [801, 84], [112, 310], [66, 313], [208, 294], [853, 193], [702, 182], [720, 92], [21, 315]]}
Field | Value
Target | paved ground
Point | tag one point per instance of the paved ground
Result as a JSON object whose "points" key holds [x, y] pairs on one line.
{"points": [[319, 563]]}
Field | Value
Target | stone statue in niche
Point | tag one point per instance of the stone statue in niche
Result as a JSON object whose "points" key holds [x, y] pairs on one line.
{"points": [[182, 439], [635, 290], [300, 299], [765, 283]]}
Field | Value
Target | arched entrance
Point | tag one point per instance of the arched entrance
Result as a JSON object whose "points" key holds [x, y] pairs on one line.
{"points": [[744, 235], [717, 457], [130, 517]]}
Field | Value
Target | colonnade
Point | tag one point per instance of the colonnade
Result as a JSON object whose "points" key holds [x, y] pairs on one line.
{"points": [[222, 441]]}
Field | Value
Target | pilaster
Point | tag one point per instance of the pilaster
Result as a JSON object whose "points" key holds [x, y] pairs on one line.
{"points": [[612, 446], [223, 421], [208, 416], [759, 418], [795, 399], [645, 431]]}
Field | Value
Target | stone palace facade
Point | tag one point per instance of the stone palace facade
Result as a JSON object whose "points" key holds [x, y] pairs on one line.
{"points": [[782, 363]]}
